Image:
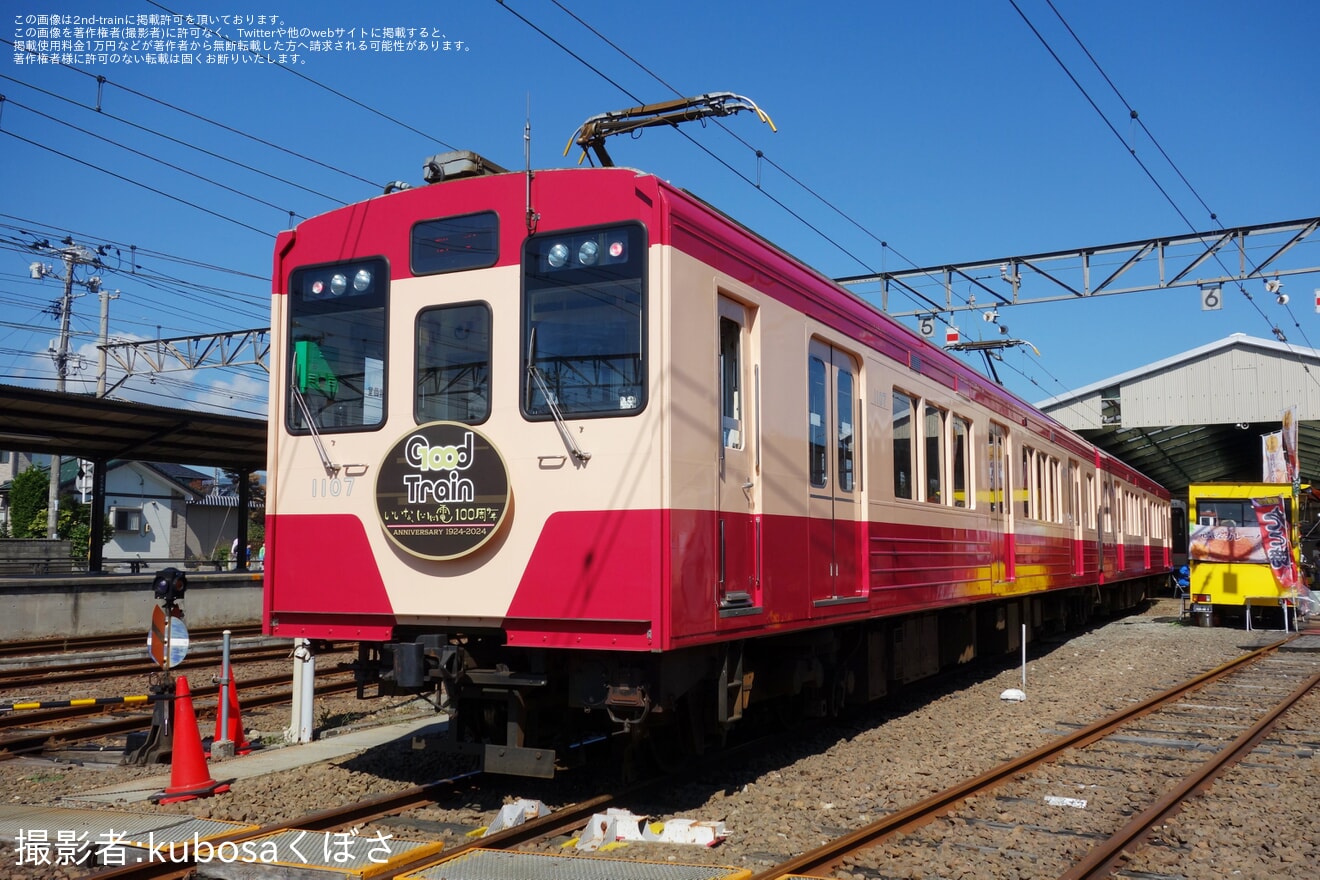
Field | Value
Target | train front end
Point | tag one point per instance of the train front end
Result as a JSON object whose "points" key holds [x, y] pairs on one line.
{"points": [[464, 469]]}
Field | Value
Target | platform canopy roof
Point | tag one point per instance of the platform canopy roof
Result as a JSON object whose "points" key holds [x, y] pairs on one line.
{"points": [[1199, 416], [1194, 417], [32, 420]]}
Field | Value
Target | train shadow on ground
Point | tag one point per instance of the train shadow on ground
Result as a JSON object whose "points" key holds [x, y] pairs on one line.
{"points": [[710, 776]]}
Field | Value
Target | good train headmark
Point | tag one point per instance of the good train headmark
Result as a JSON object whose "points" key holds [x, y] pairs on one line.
{"points": [[442, 491]]}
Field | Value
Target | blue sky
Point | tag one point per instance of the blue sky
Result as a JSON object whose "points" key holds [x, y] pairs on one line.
{"points": [[947, 130]]}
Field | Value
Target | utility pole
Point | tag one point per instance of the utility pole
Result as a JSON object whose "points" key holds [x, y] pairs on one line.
{"points": [[106, 296], [73, 255]]}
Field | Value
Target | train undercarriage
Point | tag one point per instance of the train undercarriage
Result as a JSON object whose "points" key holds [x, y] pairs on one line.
{"points": [[527, 712]]}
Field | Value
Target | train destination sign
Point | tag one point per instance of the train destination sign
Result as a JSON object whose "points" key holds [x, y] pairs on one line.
{"points": [[442, 491]]}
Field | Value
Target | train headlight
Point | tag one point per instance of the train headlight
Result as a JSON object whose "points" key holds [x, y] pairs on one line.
{"points": [[558, 255], [338, 284], [588, 253], [362, 280]]}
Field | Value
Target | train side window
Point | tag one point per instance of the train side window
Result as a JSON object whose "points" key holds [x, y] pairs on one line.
{"points": [[731, 393], [901, 414], [1090, 501], [962, 492], [934, 452], [1027, 470], [452, 381], [1046, 484], [846, 419], [996, 469], [817, 426]]}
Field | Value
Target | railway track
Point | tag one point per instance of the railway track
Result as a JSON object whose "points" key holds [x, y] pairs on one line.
{"points": [[1214, 715], [68, 645], [375, 813], [1076, 807], [33, 741], [78, 673], [565, 820]]}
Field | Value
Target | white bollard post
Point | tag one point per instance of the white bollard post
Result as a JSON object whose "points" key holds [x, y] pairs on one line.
{"points": [[223, 746], [302, 718], [307, 696]]}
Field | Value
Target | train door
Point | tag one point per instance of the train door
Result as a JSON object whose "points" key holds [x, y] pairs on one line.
{"points": [[738, 521], [834, 570], [997, 483], [1107, 534]]}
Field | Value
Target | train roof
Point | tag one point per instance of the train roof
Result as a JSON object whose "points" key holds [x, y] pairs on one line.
{"points": [[845, 310]]}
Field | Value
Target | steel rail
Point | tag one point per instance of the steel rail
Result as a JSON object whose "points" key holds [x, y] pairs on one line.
{"points": [[1104, 858], [77, 672], [565, 819], [377, 808], [18, 744], [72, 644], [941, 803], [37, 716]]}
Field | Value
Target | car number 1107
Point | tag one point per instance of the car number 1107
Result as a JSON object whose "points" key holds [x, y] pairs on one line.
{"points": [[331, 487]]}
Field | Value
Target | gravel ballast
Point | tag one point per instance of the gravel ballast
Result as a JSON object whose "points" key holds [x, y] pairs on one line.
{"points": [[1260, 822]]}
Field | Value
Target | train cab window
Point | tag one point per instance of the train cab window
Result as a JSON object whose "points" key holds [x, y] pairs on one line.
{"points": [[453, 364], [584, 323], [901, 414], [934, 451], [338, 367], [962, 493]]}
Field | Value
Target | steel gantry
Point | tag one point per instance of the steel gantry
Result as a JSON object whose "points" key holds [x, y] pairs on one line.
{"points": [[234, 348], [1130, 267]]}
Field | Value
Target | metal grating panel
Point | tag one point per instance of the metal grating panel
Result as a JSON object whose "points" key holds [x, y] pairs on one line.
{"points": [[488, 864], [345, 854], [91, 826]]}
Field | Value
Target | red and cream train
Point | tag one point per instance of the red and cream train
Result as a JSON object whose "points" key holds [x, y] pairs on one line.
{"points": [[585, 455]]}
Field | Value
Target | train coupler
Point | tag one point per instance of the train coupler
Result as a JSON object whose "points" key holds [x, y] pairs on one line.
{"points": [[627, 705]]}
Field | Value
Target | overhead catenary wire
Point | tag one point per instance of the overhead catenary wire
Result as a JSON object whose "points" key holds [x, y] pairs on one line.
{"points": [[375, 111], [139, 183], [103, 81], [150, 158], [778, 202], [757, 183], [179, 141], [1274, 329]]}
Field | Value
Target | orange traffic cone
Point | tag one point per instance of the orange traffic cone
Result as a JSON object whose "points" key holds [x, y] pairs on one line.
{"points": [[189, 776], [235, 735]]}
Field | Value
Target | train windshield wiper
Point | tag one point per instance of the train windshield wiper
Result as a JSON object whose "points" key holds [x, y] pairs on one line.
{"points": [[551, 402], [330, 467]]}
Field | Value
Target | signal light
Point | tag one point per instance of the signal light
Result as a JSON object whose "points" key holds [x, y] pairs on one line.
{"points": [[169, 585]]}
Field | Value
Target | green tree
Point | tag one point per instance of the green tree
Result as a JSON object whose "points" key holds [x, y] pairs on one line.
{"points": [[29, 493]]}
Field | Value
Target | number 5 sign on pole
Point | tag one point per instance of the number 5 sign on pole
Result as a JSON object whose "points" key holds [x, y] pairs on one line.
{"points": [[1211, 299], [926, 324]]}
